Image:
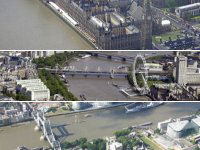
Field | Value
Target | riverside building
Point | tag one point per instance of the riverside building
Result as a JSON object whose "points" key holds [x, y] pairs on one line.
{"points": [[183, 128], [111, 24], [34, 88]]}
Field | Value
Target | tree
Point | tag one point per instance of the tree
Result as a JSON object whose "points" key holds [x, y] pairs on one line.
{"points": [[52, 109], [22, 97], [197, 148], [55, 85], [97, 144], [171, 4], [52, 61], [66, 145], [157, 131], [122, 132]]}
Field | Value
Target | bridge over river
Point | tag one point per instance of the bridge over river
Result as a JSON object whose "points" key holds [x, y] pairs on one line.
{"points": [[127, 59], [44, 125], [107, 74], [80, 73]]}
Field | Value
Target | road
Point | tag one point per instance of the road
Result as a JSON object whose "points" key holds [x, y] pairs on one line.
{"points": [[176, 22]]}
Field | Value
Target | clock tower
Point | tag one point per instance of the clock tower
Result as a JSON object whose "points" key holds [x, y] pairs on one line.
{"points": [[146, 26]]}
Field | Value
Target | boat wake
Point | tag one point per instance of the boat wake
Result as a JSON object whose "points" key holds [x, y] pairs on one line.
{"points": [[139, 106]]}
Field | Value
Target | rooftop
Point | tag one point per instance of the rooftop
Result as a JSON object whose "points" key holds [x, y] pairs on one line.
{"points": [[32, 85], [186, 7], [28, 81], [196, 121], [165, 22], [179, 125], [97, 22], [132, 29]]}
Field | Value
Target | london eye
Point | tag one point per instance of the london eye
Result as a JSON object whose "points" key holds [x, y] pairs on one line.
{"points": [[140, 74]]}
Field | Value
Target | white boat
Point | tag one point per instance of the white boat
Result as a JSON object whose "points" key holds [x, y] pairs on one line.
{"points": [[139, 106], [86, 56]]}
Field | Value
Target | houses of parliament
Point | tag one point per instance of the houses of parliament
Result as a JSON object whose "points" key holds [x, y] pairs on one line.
{"points": [[113, 24]]}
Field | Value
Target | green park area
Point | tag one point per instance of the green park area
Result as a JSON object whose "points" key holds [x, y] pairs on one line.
{"points": [[152, 82], [127, 142], [61, 59], [18, 96], [53, 111], [170, 5], [83, 143], [166, 10], [55, 85], [197, 26], [195, 17], [150, 142], [165, 37]]}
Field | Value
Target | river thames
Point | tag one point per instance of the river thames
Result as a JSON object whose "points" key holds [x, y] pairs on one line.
{"points": [[29, 24]]}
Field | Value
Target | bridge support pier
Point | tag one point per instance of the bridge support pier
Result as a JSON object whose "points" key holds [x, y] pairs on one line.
{"points": [[123, 59], [42, 138], [37, 128], [109, 57]]}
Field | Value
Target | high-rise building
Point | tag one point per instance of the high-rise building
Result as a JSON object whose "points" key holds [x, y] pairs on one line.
{"points": [[181, 70], [187, 72]]}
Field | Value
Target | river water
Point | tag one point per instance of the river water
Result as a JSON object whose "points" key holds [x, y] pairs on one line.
{"points": [[22, 135], [100, 124], [29, 24], [97, 88]]}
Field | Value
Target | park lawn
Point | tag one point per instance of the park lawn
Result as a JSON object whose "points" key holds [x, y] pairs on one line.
{"points": [[149, 142], [197, 26], [155, 58], [152, 82], [166, 9], [58, 111], [165, 37], [195, 17]]}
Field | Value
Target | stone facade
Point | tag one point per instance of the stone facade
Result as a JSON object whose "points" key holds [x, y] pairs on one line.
{"points": [[184, 74]]}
